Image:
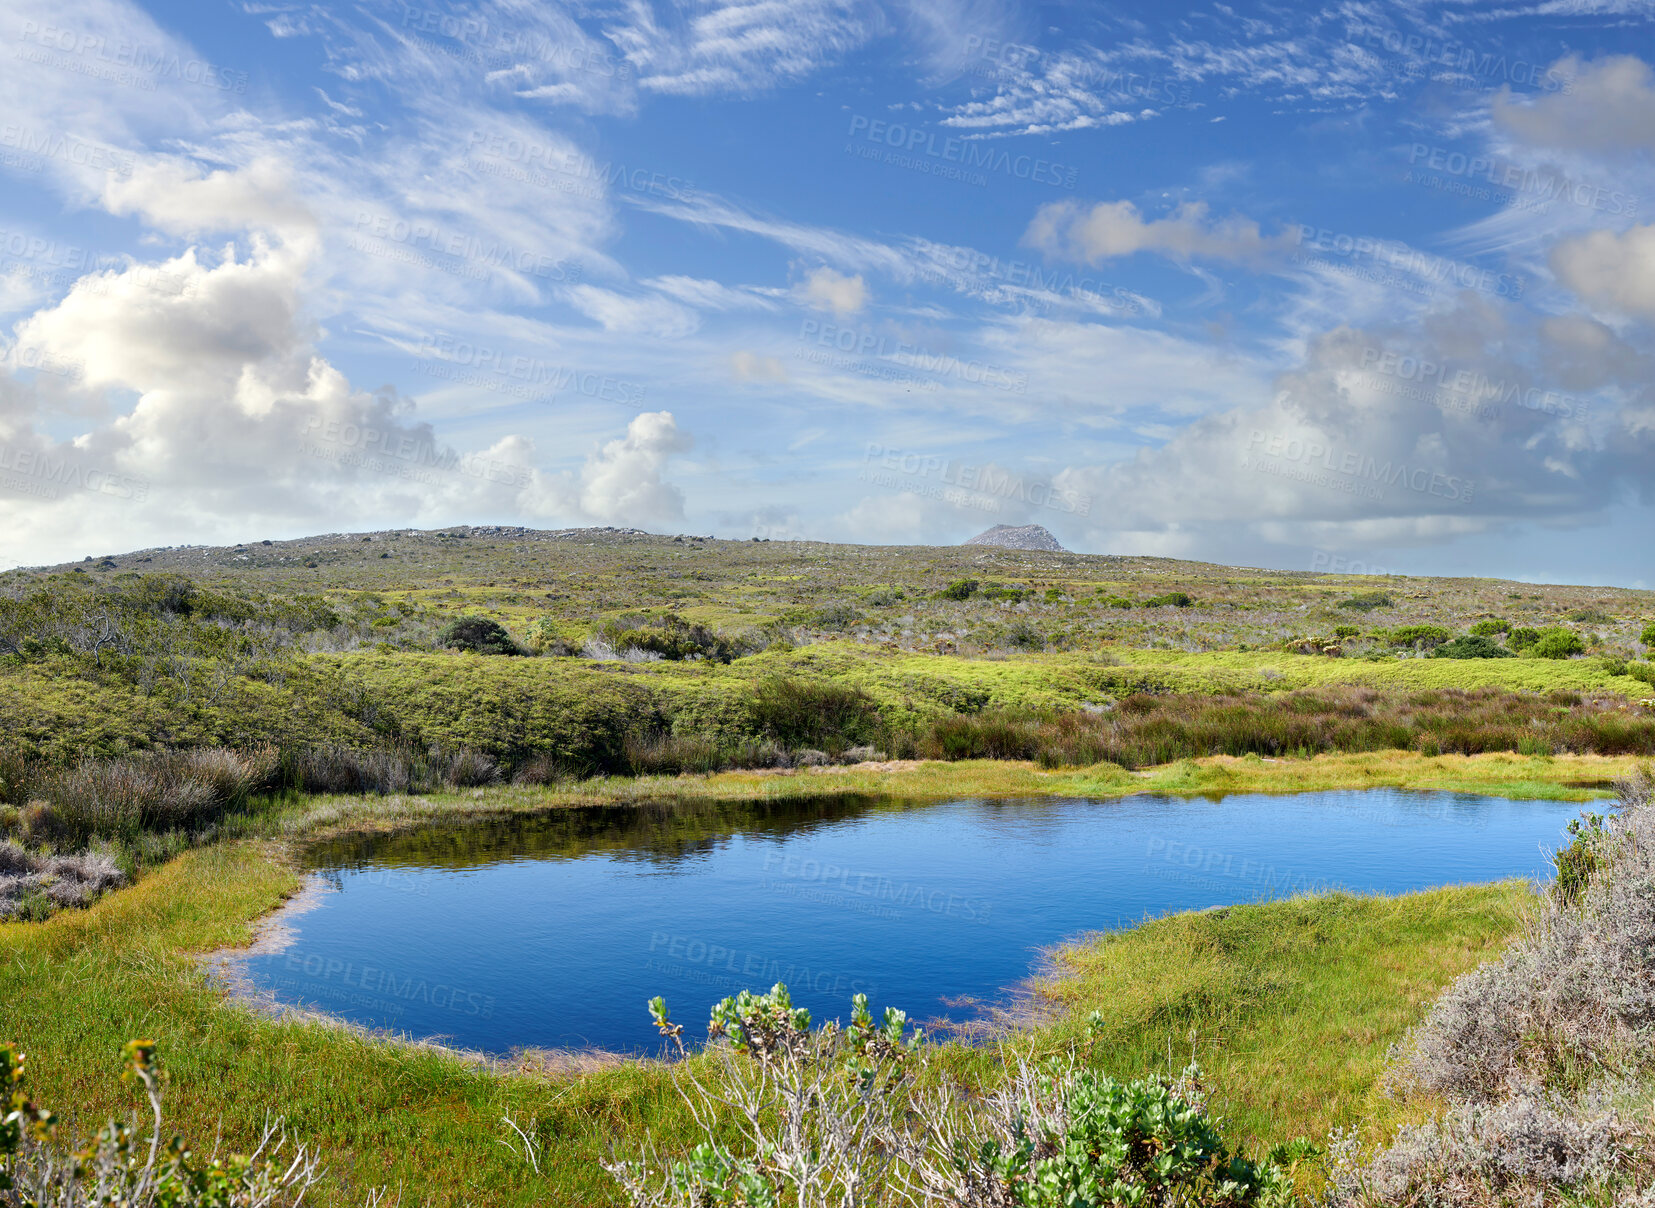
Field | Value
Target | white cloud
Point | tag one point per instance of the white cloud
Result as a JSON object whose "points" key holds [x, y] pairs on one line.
{"points": [[623, 483], [650, 315], [1609, 105], [1610, 270], [1111, 229], [825, 289]]}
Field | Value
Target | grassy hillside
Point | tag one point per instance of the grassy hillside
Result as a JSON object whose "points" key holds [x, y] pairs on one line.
{"points": [[632, 640]]}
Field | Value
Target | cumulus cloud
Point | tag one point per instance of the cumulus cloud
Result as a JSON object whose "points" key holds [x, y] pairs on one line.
{"points": [[203, 402], [1609, 269], [825, 289], [1382, 436], [623, 482], [1115, 228], [1609, 105]]}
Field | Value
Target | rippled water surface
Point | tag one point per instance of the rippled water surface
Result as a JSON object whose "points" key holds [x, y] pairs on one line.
{"points": [[554, 932]]}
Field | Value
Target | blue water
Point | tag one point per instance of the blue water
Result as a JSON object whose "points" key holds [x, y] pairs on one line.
{"points": [[554, 932]]}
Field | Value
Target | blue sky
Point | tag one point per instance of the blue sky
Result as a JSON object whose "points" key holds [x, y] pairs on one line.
{"points": [[1368, 286]]}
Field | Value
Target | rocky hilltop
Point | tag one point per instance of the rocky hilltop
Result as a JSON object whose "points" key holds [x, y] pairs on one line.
{"points": [[1018, 536]]}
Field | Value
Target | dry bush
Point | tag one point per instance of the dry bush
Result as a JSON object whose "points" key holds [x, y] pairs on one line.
{"points": [[27, 878], [1530, 1050]]}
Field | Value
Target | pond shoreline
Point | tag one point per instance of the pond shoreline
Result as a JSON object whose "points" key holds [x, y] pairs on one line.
{"points": [[1520, 777]]}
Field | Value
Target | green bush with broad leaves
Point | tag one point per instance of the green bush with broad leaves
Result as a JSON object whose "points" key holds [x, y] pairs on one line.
{"points": [[1555, 643], [854, 1114], [1474, 646], [481, 635], [1420, 637]]}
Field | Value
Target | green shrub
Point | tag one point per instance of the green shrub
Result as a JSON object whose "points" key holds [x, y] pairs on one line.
{"points": [[1642, 671], [1648, 635], [959, 589], [1054, 595], [1345, 631], [673, 638], [1366, 601], [540, 633], [1590, 616], [848, 1107], [1577, 862], [1024, 636], [1476, 646], [1522, 638], [997, 591], [1175, 599], [482, 635], [1420, 637], [1487, 629], [1556, 643], [1116, 602]]}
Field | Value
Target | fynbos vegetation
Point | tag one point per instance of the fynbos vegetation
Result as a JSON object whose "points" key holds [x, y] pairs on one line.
{"points": [[1542, 1056], [855, 1115]]}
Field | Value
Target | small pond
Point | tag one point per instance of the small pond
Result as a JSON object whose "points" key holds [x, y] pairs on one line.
{"points": [[554, 931]]}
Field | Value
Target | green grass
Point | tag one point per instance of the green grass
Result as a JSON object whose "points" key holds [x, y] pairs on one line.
{"points": [[1290, 1006]]}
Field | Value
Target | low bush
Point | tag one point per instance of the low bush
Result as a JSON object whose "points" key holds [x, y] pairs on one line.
{"points": [[1522, 638], [160, 790], [1366, 601], [1419, 637], [1487, 629], [1476, 646], [1648, 635], [856, 1115], [480, 635], [959, 589], [1172, 599], [670, 637], [1144, 730], [1555, 643], [33, 885]]}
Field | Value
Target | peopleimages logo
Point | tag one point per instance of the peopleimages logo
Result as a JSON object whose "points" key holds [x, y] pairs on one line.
{"points": [[1423, 266], [1305, 458], [967, 153], [1438, 377], [38, 473], [1531, 186]]}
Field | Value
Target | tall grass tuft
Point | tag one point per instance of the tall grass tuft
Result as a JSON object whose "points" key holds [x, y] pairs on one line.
{"points": [[154, 791]]}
